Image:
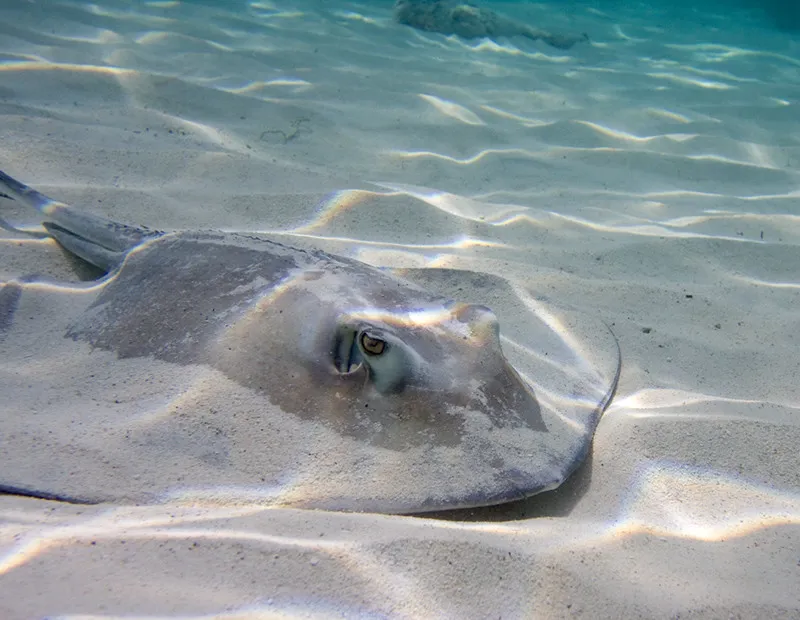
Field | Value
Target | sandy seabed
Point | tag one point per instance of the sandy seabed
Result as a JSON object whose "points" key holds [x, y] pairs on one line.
{"points": [[649, 178]]}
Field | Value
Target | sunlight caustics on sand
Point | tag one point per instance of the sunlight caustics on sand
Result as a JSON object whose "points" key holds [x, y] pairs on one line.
{"points": [[649, 177]]}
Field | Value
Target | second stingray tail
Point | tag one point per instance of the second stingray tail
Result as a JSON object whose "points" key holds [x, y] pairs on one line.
{"points": [[97, 240]]}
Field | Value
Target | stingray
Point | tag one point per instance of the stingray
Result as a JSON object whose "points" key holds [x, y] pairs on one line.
{"points": [[230, 367], [470, 21]]}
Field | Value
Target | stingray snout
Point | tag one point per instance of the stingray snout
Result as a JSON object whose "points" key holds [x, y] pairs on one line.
{"points": [[480, 320]]}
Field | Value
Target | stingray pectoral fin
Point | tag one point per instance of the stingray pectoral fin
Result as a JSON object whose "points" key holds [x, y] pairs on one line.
{"points": [[91, 252], [94, 229]]}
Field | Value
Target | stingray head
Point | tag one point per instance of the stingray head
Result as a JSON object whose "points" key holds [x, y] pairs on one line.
{"points": [[430, 369], [383, 363]]}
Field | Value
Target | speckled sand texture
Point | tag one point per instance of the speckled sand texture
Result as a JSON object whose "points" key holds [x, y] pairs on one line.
{"points": [[649, 178]]}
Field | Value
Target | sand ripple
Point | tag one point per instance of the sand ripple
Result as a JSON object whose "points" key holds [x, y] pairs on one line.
{"points": [[650, 178]]}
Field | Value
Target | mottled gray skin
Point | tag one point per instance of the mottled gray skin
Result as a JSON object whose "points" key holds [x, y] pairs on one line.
{"points": [[210, 298], [470, 21], [288, 323]]}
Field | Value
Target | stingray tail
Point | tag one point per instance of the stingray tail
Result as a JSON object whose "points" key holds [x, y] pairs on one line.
{"points": [[97, 240]]}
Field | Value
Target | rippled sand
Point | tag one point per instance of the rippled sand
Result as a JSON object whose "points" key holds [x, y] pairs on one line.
{"points": [[649, 178]]}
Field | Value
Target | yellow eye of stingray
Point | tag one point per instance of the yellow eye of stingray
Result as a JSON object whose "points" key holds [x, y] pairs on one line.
{"points": [[373, 346]]}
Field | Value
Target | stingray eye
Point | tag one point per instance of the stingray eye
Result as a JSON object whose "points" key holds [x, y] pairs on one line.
{"points": [[371, 345]]}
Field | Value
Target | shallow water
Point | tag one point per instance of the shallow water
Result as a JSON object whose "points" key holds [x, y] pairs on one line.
{"points": [[649, 178]]}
